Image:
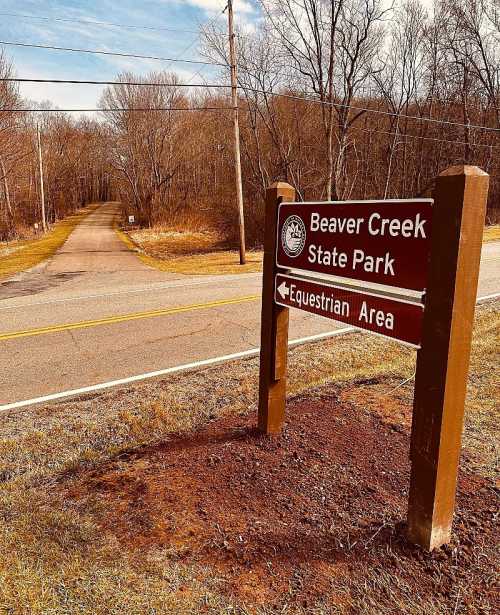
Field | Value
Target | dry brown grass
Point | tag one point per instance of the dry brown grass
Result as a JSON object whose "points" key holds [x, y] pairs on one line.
{"points": [[55, 559], [189, 253], [204, 253], [22, 255], [491, 233]]}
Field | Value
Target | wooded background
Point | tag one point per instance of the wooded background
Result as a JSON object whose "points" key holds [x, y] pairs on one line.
{"points": [[344, 100]]}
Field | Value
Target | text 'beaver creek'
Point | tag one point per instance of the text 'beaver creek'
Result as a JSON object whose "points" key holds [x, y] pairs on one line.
{"points": [[375, 225]]}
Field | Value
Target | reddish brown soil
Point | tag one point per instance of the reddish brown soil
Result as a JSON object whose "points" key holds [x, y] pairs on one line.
{"points": [[313, 516]]}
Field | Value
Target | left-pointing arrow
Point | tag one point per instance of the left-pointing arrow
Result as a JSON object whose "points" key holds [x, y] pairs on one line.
{"points": [[283, 290]]}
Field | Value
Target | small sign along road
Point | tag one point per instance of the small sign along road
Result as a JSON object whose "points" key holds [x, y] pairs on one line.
{"points": [[397, 319], [386, 242]]}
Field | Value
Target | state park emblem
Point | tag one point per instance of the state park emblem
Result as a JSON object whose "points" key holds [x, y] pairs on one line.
{"points": [[293, 236]]}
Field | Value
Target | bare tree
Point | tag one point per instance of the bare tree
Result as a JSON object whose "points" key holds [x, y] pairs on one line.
{"points": [[476, 44], [9, 146], [307, 30], [335, 98], [399, 79], [361, 34], [145, 144]]}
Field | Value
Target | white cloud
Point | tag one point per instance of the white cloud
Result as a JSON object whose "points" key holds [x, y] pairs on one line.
{"points": [[245, 10], [240, 6]]}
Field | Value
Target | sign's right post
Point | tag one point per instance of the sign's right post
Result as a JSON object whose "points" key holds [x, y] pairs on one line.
{"points": [[443, 360]]}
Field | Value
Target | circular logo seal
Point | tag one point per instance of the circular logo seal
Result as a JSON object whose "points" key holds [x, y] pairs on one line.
{"points": [[293, 236]]}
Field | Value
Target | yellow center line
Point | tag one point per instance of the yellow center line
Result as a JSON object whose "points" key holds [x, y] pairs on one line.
{"points": [[126, 317]]}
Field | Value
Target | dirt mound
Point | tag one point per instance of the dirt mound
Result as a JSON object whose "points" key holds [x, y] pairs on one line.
{"points": [[313, 516]]}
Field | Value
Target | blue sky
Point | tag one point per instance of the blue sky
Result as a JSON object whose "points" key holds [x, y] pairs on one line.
{"points": [[38, 63]]}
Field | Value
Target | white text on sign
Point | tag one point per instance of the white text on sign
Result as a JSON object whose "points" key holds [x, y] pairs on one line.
{"points": [[385, 242], [376, 225], [326, 302], [398, 319]]}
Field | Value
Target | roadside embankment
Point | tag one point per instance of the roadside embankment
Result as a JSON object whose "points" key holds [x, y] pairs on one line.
{"points": [[203, 253], [189, 253], [160, 497]]}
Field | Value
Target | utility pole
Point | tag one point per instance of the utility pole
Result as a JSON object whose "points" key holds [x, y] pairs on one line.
{"points": [[237, 154], [42, 191]]}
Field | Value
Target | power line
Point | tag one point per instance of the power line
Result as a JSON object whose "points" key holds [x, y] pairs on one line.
{"points": [[154, 84], [109, 53], [120, 109], [207, 25], [265, 92], [368, 110], [183, 53], [98, 23], [194, 109], [410, 136], [195, 41]]}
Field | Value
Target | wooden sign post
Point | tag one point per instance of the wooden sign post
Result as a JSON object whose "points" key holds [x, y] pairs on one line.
{"points": [[443, 361], [274, 323], [432, 248]]}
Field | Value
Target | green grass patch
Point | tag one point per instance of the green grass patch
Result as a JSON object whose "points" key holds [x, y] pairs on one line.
{"points": [[491, 233]]}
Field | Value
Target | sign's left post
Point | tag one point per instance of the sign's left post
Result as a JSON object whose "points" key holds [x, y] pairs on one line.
{"points": [[274, 322]]}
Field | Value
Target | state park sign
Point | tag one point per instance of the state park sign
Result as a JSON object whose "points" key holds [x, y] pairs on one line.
{"points": [[384, 242], [376, 242], [405, 269]]}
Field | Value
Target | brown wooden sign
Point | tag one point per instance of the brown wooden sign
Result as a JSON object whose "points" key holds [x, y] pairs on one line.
{"points": [[386, 242], [397, 319]]}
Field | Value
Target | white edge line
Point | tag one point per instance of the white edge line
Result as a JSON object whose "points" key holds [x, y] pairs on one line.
{"points": [[163, 372], [486, 297], [181, 368]]}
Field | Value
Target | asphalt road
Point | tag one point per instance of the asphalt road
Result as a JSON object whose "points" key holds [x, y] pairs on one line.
{"points": [[95, 312]]}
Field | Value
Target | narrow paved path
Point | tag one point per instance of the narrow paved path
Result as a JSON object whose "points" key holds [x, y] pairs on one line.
{"points": [[137, 319], [94, 247]]}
